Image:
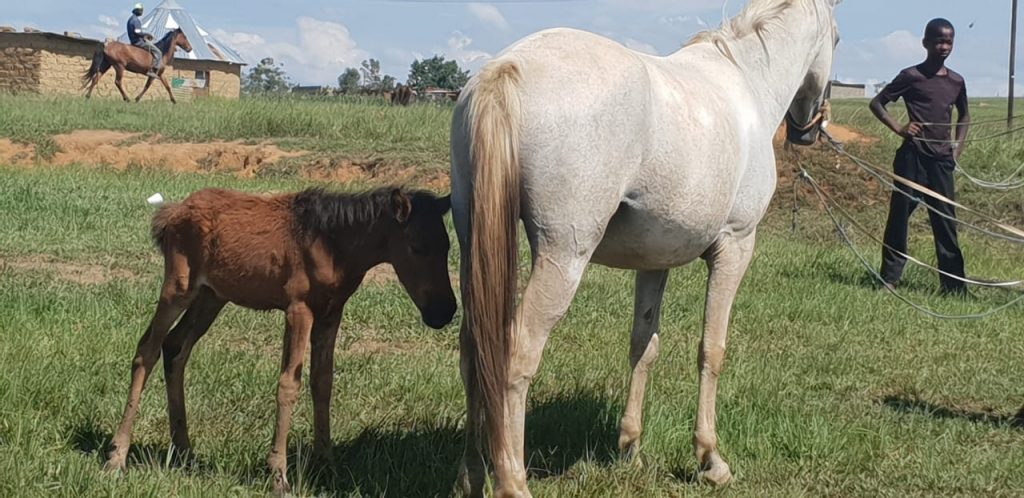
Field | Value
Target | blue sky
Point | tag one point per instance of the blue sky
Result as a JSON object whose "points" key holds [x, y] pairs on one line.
{"points": [[318, 39]]}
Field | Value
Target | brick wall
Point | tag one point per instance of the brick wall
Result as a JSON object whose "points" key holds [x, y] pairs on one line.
{"points": [[19, 69], [53, 65]]}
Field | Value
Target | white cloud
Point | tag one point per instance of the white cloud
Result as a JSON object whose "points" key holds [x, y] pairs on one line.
{"points": [[683, 21], [459, 49], [317, 54], [489, 14], [902, 45], [103, 27]]}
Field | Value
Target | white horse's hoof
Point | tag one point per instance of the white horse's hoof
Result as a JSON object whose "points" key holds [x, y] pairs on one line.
{"points": [[718, 475]]}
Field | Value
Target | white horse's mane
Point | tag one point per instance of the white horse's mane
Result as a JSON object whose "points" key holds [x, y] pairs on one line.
{"points": [[754, 19]]}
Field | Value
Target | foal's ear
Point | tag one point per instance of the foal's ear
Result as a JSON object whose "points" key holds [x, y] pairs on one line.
{"points": [[443, 204], [401, 205]]}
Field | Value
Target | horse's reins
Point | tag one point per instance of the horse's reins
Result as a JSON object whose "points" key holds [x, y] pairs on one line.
{"points": [[838, 146]]}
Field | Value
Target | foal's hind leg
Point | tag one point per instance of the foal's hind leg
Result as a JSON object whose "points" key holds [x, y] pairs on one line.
{"points": [[299, 323], [174, 299], [176, 351], [727, 261], [643, 350], [321, 375], [473, 468]]}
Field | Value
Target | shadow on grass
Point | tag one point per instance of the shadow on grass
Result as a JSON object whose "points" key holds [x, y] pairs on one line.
{"points": [[424, 461], [88, 438], [910, 404], [419, 461]]}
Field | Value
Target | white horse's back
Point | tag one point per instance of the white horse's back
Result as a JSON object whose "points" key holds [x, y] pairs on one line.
{"points": [[639, 153]]}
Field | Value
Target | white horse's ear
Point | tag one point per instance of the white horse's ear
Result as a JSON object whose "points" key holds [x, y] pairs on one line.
{"points": [[835, 3]]}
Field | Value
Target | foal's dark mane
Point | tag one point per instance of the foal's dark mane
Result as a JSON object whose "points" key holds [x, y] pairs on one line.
{"points": [[318, 213]]}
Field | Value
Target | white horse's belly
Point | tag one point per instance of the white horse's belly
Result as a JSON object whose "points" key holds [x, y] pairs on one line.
{"points": [[643, 240]]}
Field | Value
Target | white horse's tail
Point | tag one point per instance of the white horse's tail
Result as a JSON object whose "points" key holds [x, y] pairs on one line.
{"points": [[494, 117]]}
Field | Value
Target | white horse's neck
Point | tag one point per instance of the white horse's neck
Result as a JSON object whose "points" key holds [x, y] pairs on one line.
{"points": [[775, 70]]}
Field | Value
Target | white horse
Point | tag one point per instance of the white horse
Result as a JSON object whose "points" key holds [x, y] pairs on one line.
{"points": [[629, 161]]}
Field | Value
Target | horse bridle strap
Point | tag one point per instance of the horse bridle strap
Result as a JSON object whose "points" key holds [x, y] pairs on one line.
{"points": [[818, 118]]}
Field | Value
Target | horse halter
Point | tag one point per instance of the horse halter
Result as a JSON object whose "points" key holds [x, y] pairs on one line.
{"points": [[797, 133]]}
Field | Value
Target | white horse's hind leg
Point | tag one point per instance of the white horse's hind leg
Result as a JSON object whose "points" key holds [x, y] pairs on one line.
{"points": [[643, 350], [727, 262], [546, 298]]}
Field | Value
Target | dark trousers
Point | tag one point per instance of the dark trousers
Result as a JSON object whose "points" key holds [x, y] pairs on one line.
{"points": [[937, 175], [153, 50]]}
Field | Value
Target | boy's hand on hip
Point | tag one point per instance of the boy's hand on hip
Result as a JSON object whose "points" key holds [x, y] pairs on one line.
{"points": [[911, 130]]}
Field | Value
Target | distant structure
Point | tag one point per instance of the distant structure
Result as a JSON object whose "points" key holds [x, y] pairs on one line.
{"points": [[32, 61], [838, 90]]}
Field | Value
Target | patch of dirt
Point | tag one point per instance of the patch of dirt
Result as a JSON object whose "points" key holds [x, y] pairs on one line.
{"points": [[849, 135], [375, 171], [84, 274], [381, 274], [384, 273], [370, 346], [122, 150], [16, 154], [839, 132], [837, 176]]}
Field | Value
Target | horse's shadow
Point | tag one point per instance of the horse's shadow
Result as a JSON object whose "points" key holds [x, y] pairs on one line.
{"points": [[423, 461], [561, 431], [911, 404], [90, 439]]}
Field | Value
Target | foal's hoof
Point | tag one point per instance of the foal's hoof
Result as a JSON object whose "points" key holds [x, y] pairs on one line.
{"points": [[114, 465], [281, 486], [471, 483], [717, 475]]}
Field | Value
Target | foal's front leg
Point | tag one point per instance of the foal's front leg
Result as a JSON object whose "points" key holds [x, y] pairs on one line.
{"points": [[297, 329], [321, 374], [727, 262]]}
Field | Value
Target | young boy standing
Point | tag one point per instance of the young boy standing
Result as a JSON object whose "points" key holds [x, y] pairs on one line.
{"points": [[927, 157]]}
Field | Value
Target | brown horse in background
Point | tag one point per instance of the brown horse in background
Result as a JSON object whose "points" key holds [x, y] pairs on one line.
{"points": [[304, 253], [122, 56], [402, 95]]}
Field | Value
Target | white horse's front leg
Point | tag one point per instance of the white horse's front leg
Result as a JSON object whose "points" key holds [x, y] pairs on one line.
{"points": [[727, 262], [643, 350]]}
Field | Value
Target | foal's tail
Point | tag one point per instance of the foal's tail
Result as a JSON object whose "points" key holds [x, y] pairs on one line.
{"points": [[99, 66], [494, 130], [166, 217]]}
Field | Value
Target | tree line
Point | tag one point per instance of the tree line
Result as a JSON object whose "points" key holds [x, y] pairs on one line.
{"points": [[270, 77]]}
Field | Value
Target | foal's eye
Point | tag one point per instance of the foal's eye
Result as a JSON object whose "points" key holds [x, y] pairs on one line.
{"points": [[418, 250]]}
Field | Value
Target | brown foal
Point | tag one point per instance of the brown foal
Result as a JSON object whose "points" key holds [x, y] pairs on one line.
{"points": [[304, 253]]}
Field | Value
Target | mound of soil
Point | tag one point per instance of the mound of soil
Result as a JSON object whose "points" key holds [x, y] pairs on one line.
{"points": [[121, 150]]}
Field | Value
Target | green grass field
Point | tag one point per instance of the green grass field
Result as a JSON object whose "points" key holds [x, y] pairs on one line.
{"points": [[831, 388]]}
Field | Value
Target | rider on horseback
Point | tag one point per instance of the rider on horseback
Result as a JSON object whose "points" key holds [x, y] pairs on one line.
{"points": [[143, 39]]}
